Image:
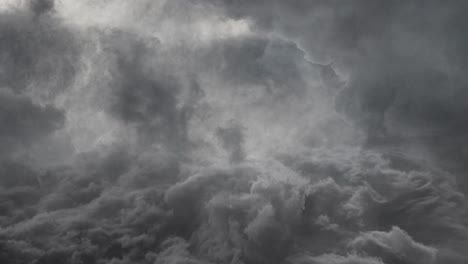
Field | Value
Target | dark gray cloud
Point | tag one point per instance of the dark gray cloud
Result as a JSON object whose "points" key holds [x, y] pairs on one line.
{"points": [[23, 122], [394, 246], [404, 63], [404, 48], [232, 139], [243, 132], [146, 92], [37, 53], [403, 55], [41, 6]]}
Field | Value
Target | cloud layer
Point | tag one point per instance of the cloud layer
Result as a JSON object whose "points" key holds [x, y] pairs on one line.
{"points": [[232, 132]]}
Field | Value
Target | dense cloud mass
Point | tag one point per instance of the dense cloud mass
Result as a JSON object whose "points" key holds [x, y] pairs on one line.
{"points": [[242, 132]]}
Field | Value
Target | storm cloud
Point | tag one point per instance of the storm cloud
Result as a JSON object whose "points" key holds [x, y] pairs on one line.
{"points": [[243, 132]]}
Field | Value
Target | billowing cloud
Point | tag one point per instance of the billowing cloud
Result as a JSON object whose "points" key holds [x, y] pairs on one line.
{"points": [[232, 132]]}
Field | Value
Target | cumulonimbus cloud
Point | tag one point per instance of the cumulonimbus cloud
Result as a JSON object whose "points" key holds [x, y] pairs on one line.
{"points": [[232, 132]]}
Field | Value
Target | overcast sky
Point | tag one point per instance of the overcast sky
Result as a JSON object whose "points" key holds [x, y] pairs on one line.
{"points": [[233, 131]]}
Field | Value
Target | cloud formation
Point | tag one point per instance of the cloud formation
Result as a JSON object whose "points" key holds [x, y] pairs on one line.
{"points": [[232, 132]]}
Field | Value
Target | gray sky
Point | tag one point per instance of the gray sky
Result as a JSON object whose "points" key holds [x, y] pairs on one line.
{"points": [[242, 132]]}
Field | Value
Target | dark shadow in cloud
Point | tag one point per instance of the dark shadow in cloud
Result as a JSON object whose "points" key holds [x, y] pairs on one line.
{"points": [[41, 6], [146, 93], [259, 64], [41, 55], [22, 122], [232, 140]]}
